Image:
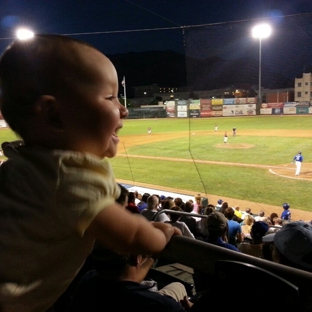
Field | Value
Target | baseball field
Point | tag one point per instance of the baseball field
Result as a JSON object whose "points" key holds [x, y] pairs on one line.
{"points": [[187, 156], [253, 169]]}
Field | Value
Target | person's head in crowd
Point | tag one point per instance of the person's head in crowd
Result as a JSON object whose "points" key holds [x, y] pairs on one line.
{"points": [[248, 210], [229, 213], [249, 220], [61, 79], [278, 221], [188, 207], [272, 216], [122, 200], [258, 230], [152, 202], [131, 197], [209, 209], [261, 213], [162, 198], [217, 225], [178, 201], [291, 245], [168, 203], [175, 217], [145, 196], [224, 206]]}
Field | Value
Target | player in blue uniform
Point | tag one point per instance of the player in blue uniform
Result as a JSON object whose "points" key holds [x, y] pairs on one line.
{"points": [[286, 214], [298, 161]]}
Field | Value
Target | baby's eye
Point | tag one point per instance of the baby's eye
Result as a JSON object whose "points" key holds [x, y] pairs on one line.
{"points": [[111, 98]]}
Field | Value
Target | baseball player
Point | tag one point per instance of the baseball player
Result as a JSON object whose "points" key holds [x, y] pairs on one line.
{"points": [[286, 214], [298, 161], [225, 139]]}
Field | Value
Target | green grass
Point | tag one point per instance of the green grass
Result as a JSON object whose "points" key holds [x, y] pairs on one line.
{"points": [[252, 184]]}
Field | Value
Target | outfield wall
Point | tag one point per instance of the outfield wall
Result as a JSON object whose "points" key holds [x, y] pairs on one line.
{"points": [[228, 107]]}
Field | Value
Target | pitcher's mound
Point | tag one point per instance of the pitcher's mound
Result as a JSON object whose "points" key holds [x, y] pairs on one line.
{"points": [[235, 145]]}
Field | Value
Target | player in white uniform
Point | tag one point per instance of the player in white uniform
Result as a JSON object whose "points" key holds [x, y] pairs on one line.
{"points": [[298, 159]]}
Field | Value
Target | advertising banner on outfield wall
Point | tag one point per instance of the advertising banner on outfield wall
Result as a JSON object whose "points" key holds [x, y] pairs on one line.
{"points": [[228, 101], [216, 102], [205, 108], [240, 101], [290, 104], [228, 110], [265, 111], [277, 111], [251, 100], [302, 110], [304, 104], [291, 110], [216, 113], [182, 108], [274, 105], [170, 109], [194, 108]]}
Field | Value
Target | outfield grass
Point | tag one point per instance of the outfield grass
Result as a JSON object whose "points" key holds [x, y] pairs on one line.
{"points": [[252, 184], [199, 142]]}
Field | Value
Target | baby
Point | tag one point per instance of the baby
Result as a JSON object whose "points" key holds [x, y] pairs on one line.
{"points": [[57, 192]]}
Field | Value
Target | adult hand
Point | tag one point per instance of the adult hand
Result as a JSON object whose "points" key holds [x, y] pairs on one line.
{"points": [[186, 303]]}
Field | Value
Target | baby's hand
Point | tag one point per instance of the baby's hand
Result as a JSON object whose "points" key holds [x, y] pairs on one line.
{"points": [[177, 231]]}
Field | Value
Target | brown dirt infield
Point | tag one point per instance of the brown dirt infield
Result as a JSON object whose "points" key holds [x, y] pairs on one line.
{"points": [[283, 170]]}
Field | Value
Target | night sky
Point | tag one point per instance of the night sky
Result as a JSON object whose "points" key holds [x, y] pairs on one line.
{"points": [[120, 26]]}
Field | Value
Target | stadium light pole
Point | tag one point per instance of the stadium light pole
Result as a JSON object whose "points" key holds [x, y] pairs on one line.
{"points": [[260, 32]]}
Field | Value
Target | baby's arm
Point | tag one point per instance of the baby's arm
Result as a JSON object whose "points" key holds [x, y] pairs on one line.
{"points": [[131, 233]]}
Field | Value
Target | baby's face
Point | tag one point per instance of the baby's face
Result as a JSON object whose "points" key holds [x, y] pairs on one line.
{"points": [[92, 112]]}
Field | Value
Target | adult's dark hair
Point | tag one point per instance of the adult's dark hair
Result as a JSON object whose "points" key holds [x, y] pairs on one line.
{"points": [[35, 67], [223, 207], [229, 213], [121, 200], [131, 197]]}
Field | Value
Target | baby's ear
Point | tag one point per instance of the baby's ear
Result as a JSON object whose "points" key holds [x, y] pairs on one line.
{"points": [[47, 107]]}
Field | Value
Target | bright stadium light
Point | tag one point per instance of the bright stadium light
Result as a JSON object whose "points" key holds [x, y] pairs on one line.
{"points": [[260, 32], [24, 34]]}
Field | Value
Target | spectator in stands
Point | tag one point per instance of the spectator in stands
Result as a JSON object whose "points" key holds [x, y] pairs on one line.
{"points": [[291, 245], [189, 220], [122, 200], [197, 204], [276, 226], [151, 210], [168, 203], [219, 204], [138, 197], [202, 223], [143, 203], [58, 193], [272, 216], [238, 212], [224, 206], [121, 277], [217, 227], [254, 248], [178, 201], [246, 227], [260, 216], [235, 235], [131, 203], [175, 221]]}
